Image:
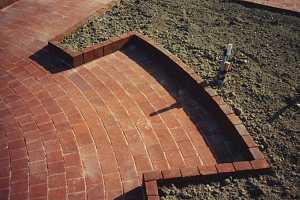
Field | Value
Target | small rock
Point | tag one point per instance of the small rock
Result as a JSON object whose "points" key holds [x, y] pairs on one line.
{"points": [[227, 181], [245, 61], [237, 111], [185, 195], [209, 188]]}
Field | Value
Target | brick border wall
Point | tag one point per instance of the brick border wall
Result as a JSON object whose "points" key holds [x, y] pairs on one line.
{"points": [[88, 54], [196, 86], [151, 179]]}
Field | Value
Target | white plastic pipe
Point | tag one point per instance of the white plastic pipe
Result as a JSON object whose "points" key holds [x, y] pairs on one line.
{"points": [[229, 48]]}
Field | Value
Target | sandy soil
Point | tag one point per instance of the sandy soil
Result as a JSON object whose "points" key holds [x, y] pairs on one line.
{"points": [[263, 86]]}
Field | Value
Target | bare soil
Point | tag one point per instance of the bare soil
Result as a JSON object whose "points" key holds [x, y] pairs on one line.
{"points": [[263, 86]]}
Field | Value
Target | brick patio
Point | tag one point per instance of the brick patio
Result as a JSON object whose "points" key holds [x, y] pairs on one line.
{"points": [[92, 131]]}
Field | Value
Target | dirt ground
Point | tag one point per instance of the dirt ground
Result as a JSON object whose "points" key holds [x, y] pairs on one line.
{"points": [[263, 85]]}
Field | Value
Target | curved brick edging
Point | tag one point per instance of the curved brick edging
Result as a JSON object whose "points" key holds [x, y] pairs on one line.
{"points": [[196, 86]]}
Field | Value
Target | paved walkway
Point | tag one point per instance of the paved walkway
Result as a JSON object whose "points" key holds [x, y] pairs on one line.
{"points": [[90, 132], [39, 157]]}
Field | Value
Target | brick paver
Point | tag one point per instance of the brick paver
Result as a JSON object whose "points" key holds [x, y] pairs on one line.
{"points": [[90, 132]]}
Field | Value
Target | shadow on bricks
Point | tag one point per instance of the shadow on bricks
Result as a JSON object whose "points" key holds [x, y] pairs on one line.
{"points": [[214, 138], [135, 194], [51, 63]]}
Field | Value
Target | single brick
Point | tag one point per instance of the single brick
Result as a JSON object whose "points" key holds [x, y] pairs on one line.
{"points": [[256, 153], [189, 171], [219, 100], [241, 129], [225, 168], [226, 109], [242, 166], [234, 119], [207, 170], [260, 164], [98, 53], [249, 141], [88, 55], [57, 193], [153, 175], [77, 60], [171, 173], [211, 91], [38, 191], [113, 45], [75, 185], [151, 188]]}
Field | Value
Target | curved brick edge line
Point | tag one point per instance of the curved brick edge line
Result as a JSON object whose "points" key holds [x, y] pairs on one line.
{"points": [[272, 6], [257, 163], [197, 87], [150, 179]]}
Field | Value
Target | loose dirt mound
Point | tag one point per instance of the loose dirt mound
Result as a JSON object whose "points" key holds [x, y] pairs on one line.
{"points": [[263, 86]]}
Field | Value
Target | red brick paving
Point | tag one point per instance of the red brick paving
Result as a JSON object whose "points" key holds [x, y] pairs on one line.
{"points": [[90, 132], [101, 130], [292, 5]]}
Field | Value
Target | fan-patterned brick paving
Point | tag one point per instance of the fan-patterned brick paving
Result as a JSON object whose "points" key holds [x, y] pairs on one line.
{"points": [[93, 130], [90, 132]]}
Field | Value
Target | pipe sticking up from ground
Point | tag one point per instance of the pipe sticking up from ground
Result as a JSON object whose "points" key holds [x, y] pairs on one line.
{"points": [[226, 55], [225, 65]]}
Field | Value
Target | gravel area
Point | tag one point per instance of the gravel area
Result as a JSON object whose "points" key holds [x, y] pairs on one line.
{"points": [[263, 84]]}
